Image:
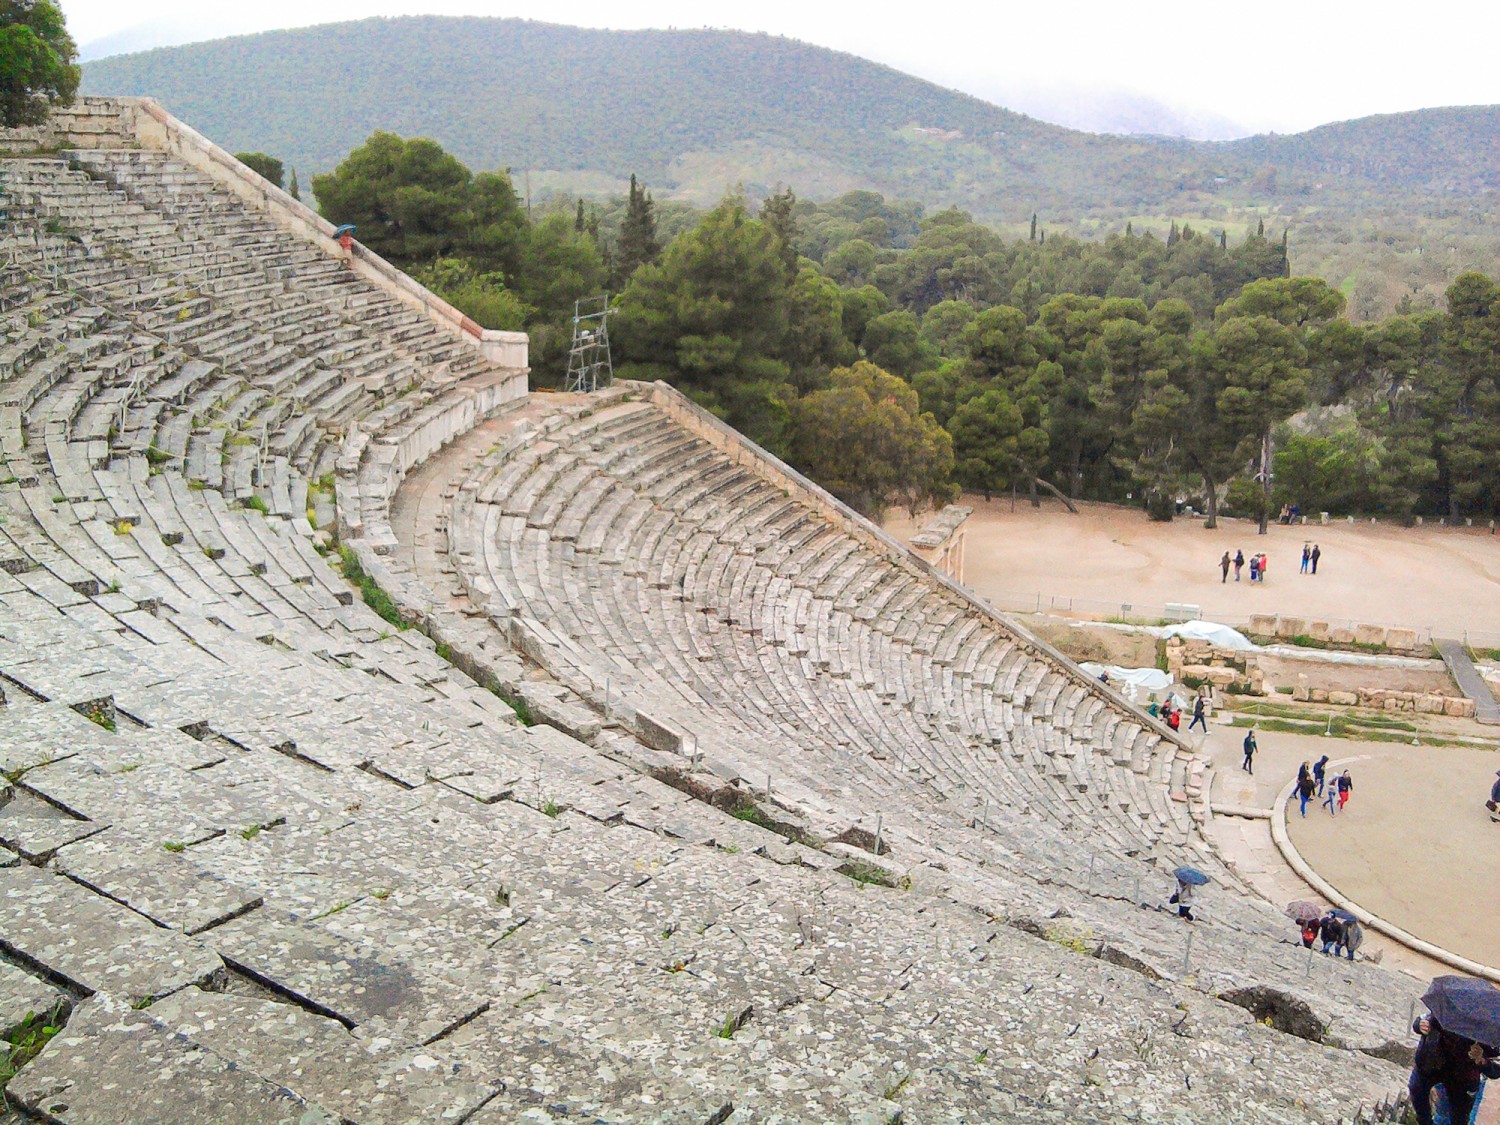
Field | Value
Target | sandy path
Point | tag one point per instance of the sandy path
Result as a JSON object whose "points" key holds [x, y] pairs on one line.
{"points": [[1447, 579]]}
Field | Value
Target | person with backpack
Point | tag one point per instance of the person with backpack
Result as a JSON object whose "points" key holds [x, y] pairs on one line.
{"points": [[1239, 561], [1457, 1064]]}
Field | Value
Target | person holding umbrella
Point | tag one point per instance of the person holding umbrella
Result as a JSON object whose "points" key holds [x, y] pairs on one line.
{"points": [[1307, 916], [1460, 1048], [1187, 879]]}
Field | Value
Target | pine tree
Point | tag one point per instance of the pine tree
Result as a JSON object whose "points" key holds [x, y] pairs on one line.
{"points": [[638, 245], [1129, 229], [292, 189], [776, 213], [1174, 236], [578, 221]]}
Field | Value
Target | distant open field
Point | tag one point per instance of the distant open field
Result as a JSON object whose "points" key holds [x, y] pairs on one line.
{"points": [[1109, 557]]}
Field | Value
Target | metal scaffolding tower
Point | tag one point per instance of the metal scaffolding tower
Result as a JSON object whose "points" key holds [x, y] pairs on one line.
{"points": [[589, 365]]}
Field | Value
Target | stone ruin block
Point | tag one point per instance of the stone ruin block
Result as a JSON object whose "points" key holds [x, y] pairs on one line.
{"points": [[1318, 630], [1403, 640], [1341, 698], [1262, 625], [1459, 708], [1369, 634], [1341, 635], [1289, 627], [1430, 704]]}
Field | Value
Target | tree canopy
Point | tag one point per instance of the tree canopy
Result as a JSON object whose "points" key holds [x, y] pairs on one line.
{"points": [[38, 65]]}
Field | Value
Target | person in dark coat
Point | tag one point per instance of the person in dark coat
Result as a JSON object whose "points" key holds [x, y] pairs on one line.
{"points": [[1198, 719], [1331, 930], [1224, 566], [1458, 1065], [1320, 772], [1313, 558], [1493, 804], [1239, 561], [1345, 787], [1250, 748], [1350, 940]]}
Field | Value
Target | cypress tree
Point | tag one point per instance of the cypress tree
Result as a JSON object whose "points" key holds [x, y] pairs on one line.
{"points": [[638, 245], [578, 222], [292, 189], [1033, 226]]}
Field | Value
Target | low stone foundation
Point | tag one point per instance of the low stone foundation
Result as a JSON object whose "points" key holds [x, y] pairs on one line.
{"points": [[1197, 662], [1274, 626], [1379, 699]]}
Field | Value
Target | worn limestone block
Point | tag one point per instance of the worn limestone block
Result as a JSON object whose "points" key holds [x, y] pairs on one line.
{"points": [[1369, 634], [1318, 630], [1341, 635], [112, 1065], [92, 942], [1343, 698], [1262, 625], [1403, 640]]}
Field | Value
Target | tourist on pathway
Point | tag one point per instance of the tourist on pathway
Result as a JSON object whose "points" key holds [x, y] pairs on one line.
{"points": [[1316, 554], [1330, 800], [1346, 786], [1239, 561], [1250, 748], [1224, 566], [1306, 786], [1183, 898], [1320, 772], [1458, 1065], [1198, 719], [1174, 719], [1263, 563], [1306, 557], [1331, 930], [1493, 804], [1254, 568], [1309, 932], [1352, 938]]}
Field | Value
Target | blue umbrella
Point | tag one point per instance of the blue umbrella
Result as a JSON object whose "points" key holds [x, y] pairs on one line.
{"points": [[349, 227], [1191, 876], [1466, 1007], [1343, 915]]}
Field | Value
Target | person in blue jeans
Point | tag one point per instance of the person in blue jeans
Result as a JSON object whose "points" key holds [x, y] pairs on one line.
{"points": [[1453, 1065], [1306, 786]]}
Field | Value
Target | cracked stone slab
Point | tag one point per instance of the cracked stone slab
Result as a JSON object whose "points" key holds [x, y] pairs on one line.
{"points": [[112, 1065], [93, 943], [374, 1083], [169, 888], [22, 994], [36, 830]]}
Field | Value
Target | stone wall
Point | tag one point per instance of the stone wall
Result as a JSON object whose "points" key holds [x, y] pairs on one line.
{"points": [[1198, 662], [1380, 699], [1407, 642], [940, 544]]}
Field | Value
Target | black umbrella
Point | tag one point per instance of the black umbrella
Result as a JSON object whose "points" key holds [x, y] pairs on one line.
{"points": [[1466, 1007]]}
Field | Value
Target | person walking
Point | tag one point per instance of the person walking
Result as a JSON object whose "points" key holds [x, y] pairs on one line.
{"points": [[1345, 787], [1493, 804], [1224, 566], [1306, 557], [1350, 940], [1198, 719], [1457, 1064], [1183, 899], [1330, 800], [1320, 772], [1331, 930], [1306, 786], [1254, 568], [1263, 563], [1239, 561], [1313, 558], [1250, 748], [1174, 718]]}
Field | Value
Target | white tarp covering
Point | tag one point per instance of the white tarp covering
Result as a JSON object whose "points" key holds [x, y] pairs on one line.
{"points": [[1132, 683], [1221, 635]]}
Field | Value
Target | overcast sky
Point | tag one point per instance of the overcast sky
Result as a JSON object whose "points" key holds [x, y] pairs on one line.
{"points": [[1273, 66]]}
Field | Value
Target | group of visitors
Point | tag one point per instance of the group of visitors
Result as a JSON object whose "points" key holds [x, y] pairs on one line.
{"points": [[1313, 781], [1171, 714], [1258, 563], [1310, 556], [1340, 936]]}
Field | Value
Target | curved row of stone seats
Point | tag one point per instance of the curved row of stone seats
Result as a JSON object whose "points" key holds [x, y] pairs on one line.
{"points": [[684, 585], [398, 909]]}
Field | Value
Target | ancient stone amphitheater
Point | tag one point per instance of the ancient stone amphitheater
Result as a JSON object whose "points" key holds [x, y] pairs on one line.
{"points": [[800, 831]]}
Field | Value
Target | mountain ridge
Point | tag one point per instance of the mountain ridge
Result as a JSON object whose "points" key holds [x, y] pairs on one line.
{"points": [[697, 111]]}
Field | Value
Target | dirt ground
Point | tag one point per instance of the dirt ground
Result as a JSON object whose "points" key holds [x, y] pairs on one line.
{"points": [[1447, 579], [1415, 843]]}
